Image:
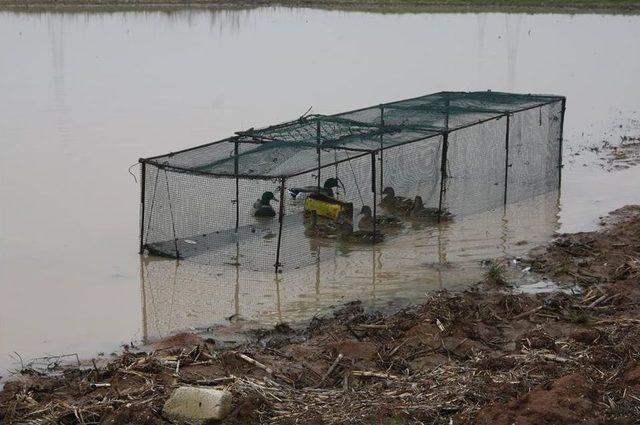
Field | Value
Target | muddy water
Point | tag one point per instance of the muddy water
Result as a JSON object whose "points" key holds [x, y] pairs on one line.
{"points": [[85, 95]]}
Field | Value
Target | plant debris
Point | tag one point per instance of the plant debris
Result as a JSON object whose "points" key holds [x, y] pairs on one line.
{"points": [[487, 355]]}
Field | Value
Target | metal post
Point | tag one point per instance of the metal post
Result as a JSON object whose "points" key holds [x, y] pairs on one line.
{"points": [[143, 178], [443, 163], [506, 159], [381, 148], [373, 189], [318, 149], [443, 171], [173, 222], [564, 107], [280, 220], [235, 169], [145, 329]]}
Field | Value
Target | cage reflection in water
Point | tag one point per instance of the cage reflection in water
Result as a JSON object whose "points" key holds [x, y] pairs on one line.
{"points": [[180, 295], [460, 153]]}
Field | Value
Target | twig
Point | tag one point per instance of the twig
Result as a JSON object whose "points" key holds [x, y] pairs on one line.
{"points": [[255, 363], [333, 366], [526, 313], [383, 375]]}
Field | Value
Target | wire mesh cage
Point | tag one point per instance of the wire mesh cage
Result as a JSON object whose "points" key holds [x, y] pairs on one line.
{"points": [[269, 198]]}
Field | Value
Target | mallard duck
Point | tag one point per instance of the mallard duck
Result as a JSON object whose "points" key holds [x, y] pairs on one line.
{"points": [[395, 203], [313, 229], [366, 221], [262, 207], [420, 212], [326, 189]]}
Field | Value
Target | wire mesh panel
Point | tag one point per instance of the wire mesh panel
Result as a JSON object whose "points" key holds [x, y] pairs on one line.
{"points": [[413, 170], [534, 153], [476, 159], [194, 217]]}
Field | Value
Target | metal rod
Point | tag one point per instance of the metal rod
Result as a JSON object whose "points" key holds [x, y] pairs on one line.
{"points": [[170, 154], [145, 329], [318, 150], [178, 169], [373, 190], [564, 107], [236, 167], [551, 99], [443, 170], [143, 179], [443, 163], [506, 160], [173, 222], [153, 200], [280, 220], [381, 148]]}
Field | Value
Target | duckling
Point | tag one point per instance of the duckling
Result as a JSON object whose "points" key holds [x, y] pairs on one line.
{"points": [[420, 212], [395, 203], [326, 189], [262, 207], [366, 222]]}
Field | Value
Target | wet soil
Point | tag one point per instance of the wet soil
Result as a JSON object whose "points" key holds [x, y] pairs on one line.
{"points": [[487, 355]]}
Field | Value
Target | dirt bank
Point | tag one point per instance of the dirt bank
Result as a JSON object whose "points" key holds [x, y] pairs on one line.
{"points": [[484, 356]]}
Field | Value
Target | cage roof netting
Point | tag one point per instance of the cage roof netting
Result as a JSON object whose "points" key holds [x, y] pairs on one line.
{"points": [[300, 146]]}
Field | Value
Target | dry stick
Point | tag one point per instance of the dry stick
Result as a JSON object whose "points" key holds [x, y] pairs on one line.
{"points": [[373, 326], [333, 366], [373, 374], [526, 313], [598, 301], [100, 385], [216, 381], [255, 363]]}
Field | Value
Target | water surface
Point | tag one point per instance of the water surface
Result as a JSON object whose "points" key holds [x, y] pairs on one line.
{"points": [[86, 94]]}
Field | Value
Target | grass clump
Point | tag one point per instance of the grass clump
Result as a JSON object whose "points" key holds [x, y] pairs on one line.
{"points": [[495, 275]]}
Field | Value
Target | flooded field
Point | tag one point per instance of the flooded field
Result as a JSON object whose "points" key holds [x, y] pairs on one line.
{"points": [[109, 88]]}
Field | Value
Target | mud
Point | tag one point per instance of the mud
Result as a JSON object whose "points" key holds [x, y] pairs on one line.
{"points": [[487, 355]]}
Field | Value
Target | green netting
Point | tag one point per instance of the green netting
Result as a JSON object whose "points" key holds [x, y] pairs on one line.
{"points": [[299, 146], [461, 153]]}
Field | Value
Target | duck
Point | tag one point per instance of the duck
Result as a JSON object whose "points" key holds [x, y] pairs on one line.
{"points": [[420, 212], [326, 189], [361, 236], [313, 229], [366, 221], [395, 203], [262, 207]]}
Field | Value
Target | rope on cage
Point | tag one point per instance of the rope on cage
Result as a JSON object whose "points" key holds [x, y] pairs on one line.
{"points": [[134, 176]]}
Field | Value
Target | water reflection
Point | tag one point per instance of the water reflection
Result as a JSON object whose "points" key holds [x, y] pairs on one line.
{"points": [[179, 295], [85, 94]]}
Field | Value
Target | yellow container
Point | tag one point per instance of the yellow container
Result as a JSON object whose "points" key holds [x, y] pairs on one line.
{"points": [[328, 207]]}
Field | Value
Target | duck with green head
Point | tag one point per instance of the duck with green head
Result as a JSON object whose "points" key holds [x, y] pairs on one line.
{"points": [[326, 189], [262, 207]]}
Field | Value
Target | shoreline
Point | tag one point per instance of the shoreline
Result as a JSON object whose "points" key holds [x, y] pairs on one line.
{"points": [[379, 6], [487, 355]]}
